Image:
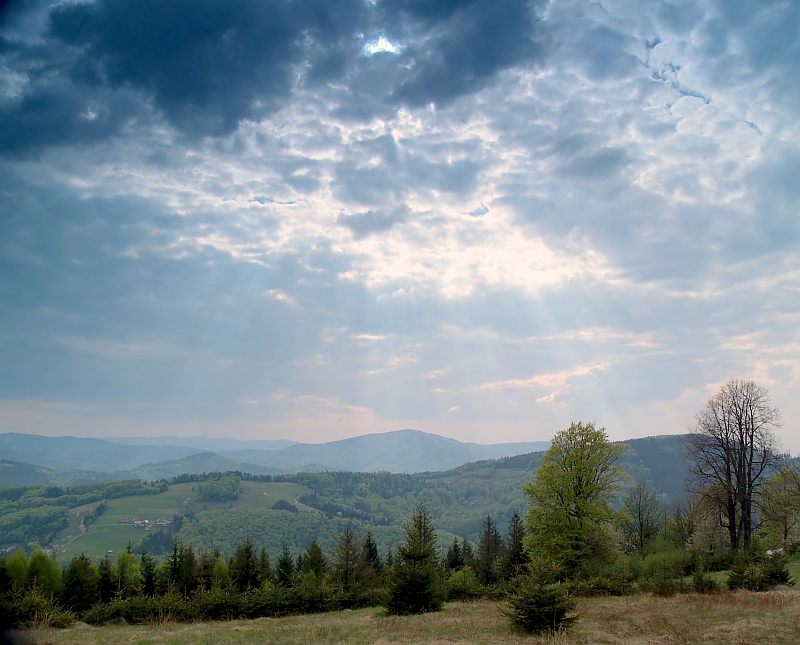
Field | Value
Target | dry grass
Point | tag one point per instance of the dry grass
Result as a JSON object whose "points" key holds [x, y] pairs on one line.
{"points": [[731, 618]]}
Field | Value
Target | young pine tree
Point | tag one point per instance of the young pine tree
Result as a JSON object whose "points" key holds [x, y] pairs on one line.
{"points": [[414, 584], [490, 550], [244, 567], [79, 592], [284, 568], [515, 558]]}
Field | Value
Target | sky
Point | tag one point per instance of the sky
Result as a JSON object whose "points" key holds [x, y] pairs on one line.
{"points": [[310, 220]]}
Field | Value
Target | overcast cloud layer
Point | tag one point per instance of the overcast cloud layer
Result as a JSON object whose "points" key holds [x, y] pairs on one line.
{"points": [[310, 220]]}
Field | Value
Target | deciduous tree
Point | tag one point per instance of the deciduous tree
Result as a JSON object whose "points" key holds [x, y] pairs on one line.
{"points": [[731, 449], [780, 506], [568, 506], [642, 517]]}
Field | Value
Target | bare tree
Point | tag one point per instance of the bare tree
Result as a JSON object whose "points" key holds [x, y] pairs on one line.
{"points": [[642, 517], [731, 449]]}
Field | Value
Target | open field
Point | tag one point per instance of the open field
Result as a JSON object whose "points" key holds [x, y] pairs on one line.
{"points": [[108, 534], [724, 618]]}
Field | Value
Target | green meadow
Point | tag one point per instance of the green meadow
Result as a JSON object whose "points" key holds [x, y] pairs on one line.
{"points": [[107, 534]]}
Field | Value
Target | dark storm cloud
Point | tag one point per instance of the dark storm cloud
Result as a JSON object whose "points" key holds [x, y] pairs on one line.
{"points": [[205, 66], [455, 48]]}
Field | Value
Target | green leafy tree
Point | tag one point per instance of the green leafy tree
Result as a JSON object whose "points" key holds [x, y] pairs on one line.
{"points": [[780, 508], [44, 573], [415, 583], [220, 575], [568, 500], [183, 568], [17, 568], [5, 579], [468, 553], [205, 565], [128, 574]]}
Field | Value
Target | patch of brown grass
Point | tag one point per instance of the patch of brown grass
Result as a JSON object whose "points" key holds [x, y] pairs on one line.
{"points": [[737, 618]]}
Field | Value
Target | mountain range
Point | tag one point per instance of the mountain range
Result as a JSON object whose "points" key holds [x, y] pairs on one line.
{"points": [[401, 451]]}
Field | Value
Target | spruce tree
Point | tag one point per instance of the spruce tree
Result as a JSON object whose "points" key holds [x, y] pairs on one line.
{"points": [[490, 549], [515, 558], [345, 560], [454, 558], [79, 592], [264, 567], [314, 560], [468, 553], [414, 583], [244, 567], [148, 567], [105, 580], [284, 569]]}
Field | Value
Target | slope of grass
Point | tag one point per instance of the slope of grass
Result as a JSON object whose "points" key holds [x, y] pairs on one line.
{"points": [[726, 618], [108, 534]]}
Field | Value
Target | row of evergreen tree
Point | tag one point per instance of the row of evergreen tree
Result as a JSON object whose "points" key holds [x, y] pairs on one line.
{"points": [[354, 574]]}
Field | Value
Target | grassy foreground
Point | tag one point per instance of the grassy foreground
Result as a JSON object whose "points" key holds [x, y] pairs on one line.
{"points": [[730, 618]]}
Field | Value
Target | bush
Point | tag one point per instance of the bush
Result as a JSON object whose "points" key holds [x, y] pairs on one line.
{"points": [[664, 571], [759, 572], [413, 590], [34, 608], [538, 606], [701, 583], [462, 584]]}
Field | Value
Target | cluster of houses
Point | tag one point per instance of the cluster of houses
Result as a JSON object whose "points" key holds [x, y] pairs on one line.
{"points": [[146, 523]]}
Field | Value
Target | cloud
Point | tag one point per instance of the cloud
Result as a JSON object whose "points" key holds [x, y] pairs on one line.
{"points": [[554, 208], [371, 222], [459, 46]]}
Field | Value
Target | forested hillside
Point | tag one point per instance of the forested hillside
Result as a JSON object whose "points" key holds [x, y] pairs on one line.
{"points": [[219, 510]]}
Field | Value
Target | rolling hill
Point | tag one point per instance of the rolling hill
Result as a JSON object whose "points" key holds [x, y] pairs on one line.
{"points": [[402, 451]]}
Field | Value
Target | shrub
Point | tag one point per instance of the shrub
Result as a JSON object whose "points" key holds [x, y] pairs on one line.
{"points": [[701, 583], [759, 572], [538, 606], [664, 571], [463, 585], [34, 608]]}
